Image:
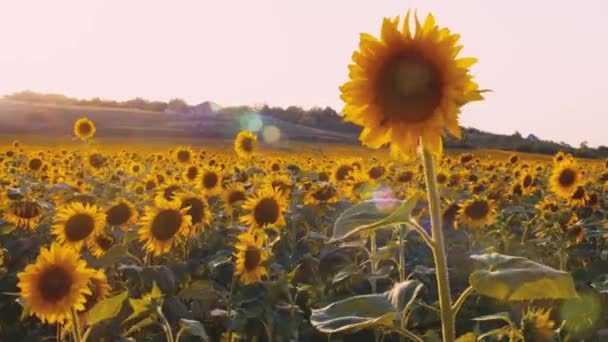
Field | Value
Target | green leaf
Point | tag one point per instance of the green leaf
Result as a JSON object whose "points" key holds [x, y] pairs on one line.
{"points": [[502, 316], [107, 308], [468, 337], [140, 325], [354, 313], [111, 257], [403, 294], [200, 289], [6, 228], [516, 278], [194, 328], [372, 214]]}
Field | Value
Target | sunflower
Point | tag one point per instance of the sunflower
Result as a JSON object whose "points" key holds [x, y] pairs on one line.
{"points": [[169, 191], [136, 168], [579, 197], [528, 183], [100, 244], [245, 144], [250, 258], [209, 181], [24, 214], [121, 213], [84, 129], [265, 208], [95, 162], [233, 197], [359, 187], [191, 173], [280, 182], [77, 223], [565, 178], [162, 224], [548, 204], [536, 325], [408, 85], [321, 193], [342, 172], [476, 212], [198, 209], [54, 284], [184, 155], [35, 164]]}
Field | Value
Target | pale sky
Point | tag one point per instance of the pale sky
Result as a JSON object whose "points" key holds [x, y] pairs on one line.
{"points": [[545, 60]]}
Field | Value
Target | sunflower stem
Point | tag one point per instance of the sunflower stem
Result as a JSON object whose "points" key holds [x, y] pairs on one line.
{"points": [[232, 283], [402, 231], [439, 255], [76, 326], [165, 323], [373, 255]]}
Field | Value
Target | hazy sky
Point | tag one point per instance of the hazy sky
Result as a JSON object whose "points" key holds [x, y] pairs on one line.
{"points": [[545, 60]]}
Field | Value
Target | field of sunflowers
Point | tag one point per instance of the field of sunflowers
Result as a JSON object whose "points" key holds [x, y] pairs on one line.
{"points": [[190, 243]]}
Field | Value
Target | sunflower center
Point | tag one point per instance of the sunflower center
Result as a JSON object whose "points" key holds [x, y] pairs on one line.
{"points": [[27, 210], [324, 193], [192, 172], [35, 164], [342, 172], [79, 227], [183, 156], [54, 283], [104, 242], [527, 181], [409, 88], [118, 214], [266, 211], [567, 177], [96, 160], [210, 180], [166, 224], [236, 196], [169, 192], [376, 172], [442, 178], [85, 128], [150, 185], [406, 176], [579, 193], [252, 259], [197, 209], [247, 144], [477, 210]]}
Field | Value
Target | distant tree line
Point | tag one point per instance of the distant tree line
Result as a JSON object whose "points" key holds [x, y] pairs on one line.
{"points": [[328, 119]]}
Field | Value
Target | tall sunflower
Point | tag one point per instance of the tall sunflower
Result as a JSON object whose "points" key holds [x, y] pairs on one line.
{"points": [[84, 129], [77, 223], [407, 85], [265, 208], [245, 144], [565, 178], [477, 212], [162, 224], [54, 284], [250, 258], [24, 214]]}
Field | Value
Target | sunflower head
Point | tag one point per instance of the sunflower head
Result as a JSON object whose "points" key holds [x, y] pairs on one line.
{"points": [[477, 212], [536, 325], [407, 85], [77, 223], [84, 129], [100, 244], [321, 193], [121, 213], [198, 209], [183, 155], [565, 178], [209, 181], [163, 224], [24, 214], [250, 258], [233, 197], [265, 208], [245, 144], [55, 283]]}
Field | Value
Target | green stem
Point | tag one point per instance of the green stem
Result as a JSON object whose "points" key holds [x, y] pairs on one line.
{"points": [[165, 323], [408, 334], [372, 257], [232, 283], [460, 301], [439, 255], [76, 326], [401, 253]]}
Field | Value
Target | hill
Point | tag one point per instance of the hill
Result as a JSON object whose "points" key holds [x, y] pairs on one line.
{"points": [[51, 114]]}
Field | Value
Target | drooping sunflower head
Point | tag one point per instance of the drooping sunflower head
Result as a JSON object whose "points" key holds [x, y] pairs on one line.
{"points": [[250, 258], [100, 244], [54, 284], [100, 289], [265, 208], [121, 213], [408, 84], [477, 212], [209, 181], [579, 197], [198, 209], [536, 325], [245, 144], [77, 223], [565, 178], [163, 224], [321, 193], [84, 129], [24, 214]]}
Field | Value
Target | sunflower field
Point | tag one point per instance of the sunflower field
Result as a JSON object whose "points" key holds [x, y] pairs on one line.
{"points": [[191, 243]]}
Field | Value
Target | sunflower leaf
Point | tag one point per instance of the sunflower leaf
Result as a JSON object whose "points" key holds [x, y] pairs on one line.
{"points": [[372, 214], [194, 328], [107, 308], [517, 278]]}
